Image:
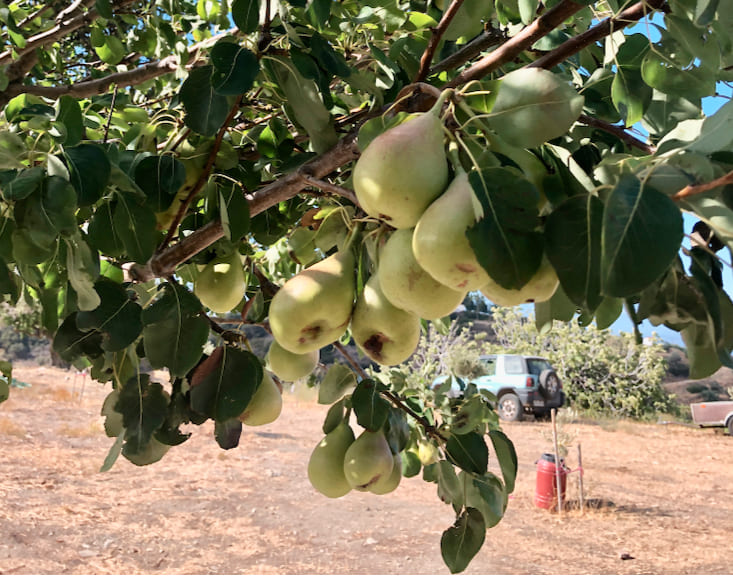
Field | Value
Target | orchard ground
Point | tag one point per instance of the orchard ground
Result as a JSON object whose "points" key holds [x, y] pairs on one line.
{"points": [[660, 494]]}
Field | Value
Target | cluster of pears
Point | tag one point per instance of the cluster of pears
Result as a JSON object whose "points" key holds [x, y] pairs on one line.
{"points": [[342, 462]]}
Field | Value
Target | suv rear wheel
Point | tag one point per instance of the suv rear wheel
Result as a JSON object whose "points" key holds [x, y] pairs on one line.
{"points": [[509, 407], [549, 384]]}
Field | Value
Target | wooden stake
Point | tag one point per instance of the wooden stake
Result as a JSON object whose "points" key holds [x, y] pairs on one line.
{"points": [[580, 480], [558, 481]]}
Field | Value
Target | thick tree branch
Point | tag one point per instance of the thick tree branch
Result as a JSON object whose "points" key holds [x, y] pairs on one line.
{"points": [[517, 44], [617, 131], [608, 26], [437, 34], [487, 39], [693, 189]]}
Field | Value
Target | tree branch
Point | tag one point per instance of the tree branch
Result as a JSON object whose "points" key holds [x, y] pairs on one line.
{"points": [[437, 34], [693, 189], [608, 26], [518, 43], [617, 131], [487, 39], [331, 188]]}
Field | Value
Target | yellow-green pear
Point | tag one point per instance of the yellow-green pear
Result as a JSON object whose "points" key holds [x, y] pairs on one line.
{"points": [[313, 308], [220, 285], [367, 460], [540, 287], [403, 170], [385, 333], [288, 366], [440, 243], [389, 482], [427, 452], [326, 464], [265, 405], [408, 286]]}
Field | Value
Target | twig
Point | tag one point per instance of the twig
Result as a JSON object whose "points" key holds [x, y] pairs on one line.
{"points": [[592, 35], [109, 118], [693, 189], [204, 176], [332, 188], [353, 363], [437, 34], [518, 43], [617, 131], [487, 39], [68, 11]]}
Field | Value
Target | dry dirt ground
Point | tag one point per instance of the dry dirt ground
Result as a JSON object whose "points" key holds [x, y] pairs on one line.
{"points": [[667, 494]]}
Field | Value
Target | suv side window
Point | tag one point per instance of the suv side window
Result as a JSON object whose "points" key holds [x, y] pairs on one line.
{"points": [[513, 365], [489, 366], [536, 366]]}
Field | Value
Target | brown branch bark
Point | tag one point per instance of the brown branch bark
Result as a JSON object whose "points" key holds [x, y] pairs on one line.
{"points": [[437, 34], [617, 131], [518, 43], [487, 39], [693, 189], [608, 26]]}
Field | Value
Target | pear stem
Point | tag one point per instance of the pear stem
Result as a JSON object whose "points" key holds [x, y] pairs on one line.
{"points": [[438, 106], [453, 156]]}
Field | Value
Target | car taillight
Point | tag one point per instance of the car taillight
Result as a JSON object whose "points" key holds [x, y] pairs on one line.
{"points": [[530, 382]]}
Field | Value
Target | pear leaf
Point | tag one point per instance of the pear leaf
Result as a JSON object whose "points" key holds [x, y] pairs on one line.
{"points": [[246, 15], [117, 318], [227, 433], [114, 452], [160, 177], [234, 212], [642, 232], [371, 409], [175, 330], [89, 170], [505, 240], [69, 114], [450, 489], [24, 184], [462, 541], [469, 452], [70, 343], [573, 246], [339, 380], [224, 383], [143, 405], [206, 110], [134, 225], [486, 494], [82, 269], [507, 456], [235, 68]]}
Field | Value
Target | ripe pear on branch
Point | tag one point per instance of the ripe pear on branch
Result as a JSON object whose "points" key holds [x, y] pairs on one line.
{"points": [[326, 464], [385, 333], [440, 244], [367, 460], [540, 287], [220, 284], [288, 366], [403, 169], [265, 405], [313, 308], [408, 286]]}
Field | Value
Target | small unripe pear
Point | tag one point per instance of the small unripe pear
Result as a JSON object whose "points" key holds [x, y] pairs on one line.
{"points": [[403, 170], [265, 405], [440, 243], [288, 366], [408, 286], [313, 308], [540, 287], [367, 460], [220, 285], [326, 464]]}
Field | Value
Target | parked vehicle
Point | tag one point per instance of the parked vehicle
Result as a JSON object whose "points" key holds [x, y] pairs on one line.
{"points": [[713, 414], [521, 384]]}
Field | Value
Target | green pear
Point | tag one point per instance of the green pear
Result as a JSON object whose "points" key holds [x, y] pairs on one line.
{"points": [[403, 170], [408, 286], [326, 464], [265, 405], [113, 423], [313, 308], [220, 284], [540, 287], [440, 243], [389, 482], [288, 366], [367, 460], [427, 452], [388, 335]]}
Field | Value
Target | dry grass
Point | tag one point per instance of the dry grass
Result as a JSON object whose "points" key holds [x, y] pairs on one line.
{"points": [[10, 428]]}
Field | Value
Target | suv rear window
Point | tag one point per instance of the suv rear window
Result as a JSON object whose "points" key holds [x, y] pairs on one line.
{"points": [[513, 365], [537, 365]]}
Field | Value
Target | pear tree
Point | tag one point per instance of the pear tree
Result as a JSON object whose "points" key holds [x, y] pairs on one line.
{"points": [[174, 171]]}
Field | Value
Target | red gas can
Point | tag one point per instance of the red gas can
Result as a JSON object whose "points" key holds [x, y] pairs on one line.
{"points": [[545, 495]]}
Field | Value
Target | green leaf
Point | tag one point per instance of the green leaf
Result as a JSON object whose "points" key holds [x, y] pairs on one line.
{"points": [[486, 494], [527, 10], [692, 84], [9, 283], [70, 343], [206, 110], [175, 330], [339, 380], [328, 58], [462, 541], [117, 318], [642, 232], [224, 383], [112, 51], [6, 369], [90, 170], [334, 416], [534, 106], [82, 269], [469, 452], [227, 433], [48, 213], [246, 15], [114, 451], [24, 184], [450, 489], [143, 405], [69, 114], [101, 233], [135, 226], [234, 212], [104, 7], [319, 11], [370, 407], [608, 312], [505, 240], [235, 68], [507, 457], [573, 246], [630, 94], [160, 177]]}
